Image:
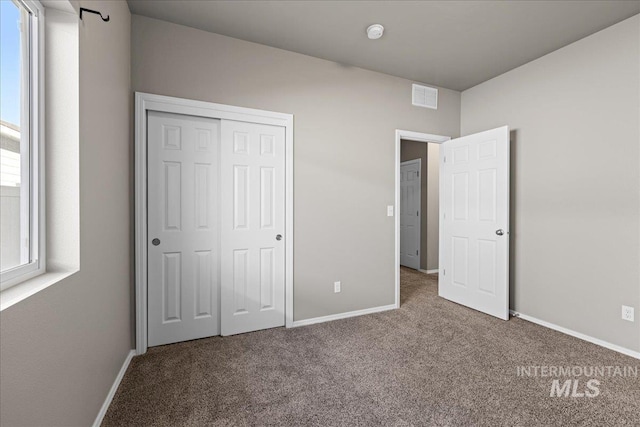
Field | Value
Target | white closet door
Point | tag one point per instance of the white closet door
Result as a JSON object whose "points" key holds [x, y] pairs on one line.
{"points": [[474, 230], [183, 275], [410, 213], [252, 228]]}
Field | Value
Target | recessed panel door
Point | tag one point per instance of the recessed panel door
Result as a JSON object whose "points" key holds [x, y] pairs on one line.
{"points": [[252, 227], [410, 213], [474, 227], [183, 228]]}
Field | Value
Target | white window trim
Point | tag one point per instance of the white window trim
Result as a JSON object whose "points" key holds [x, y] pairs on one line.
{"points": [[35, 133], [61, 33]]}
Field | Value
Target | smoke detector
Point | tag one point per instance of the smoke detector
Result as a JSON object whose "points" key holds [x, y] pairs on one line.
{"points": [[374, 32]]}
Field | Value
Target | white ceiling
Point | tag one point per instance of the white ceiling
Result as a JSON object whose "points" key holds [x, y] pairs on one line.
{"points": [[453, 44]]}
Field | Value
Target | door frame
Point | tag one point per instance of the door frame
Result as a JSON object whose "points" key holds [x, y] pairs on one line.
{"points": [[145, 102], [419, 162], [409, 136]]}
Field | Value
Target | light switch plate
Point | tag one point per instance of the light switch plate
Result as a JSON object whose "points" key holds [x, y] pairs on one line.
{"points": [[389, 210], [337, 287]]}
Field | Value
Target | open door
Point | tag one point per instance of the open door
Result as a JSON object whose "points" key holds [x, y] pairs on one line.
{"points": [[474, 227]]}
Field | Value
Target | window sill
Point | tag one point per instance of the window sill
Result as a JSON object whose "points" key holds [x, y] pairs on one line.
{"points": [[24, 290]]}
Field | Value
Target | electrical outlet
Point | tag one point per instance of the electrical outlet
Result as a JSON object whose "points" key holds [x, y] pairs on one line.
{"points": [[336, 287], [390, 210], [627, 313]]}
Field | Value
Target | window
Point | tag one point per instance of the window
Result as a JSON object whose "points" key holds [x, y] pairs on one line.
{"points": [[22, 246]]}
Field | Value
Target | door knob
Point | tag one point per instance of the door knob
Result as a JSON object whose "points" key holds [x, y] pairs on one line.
{"points": [[499, 232], [155, 242], [279, 237]]}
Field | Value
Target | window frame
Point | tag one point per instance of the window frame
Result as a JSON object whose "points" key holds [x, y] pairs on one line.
{"points": [[35, 134]]}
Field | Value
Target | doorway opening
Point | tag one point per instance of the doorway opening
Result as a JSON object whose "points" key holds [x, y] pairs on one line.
{"points": [[417, 194], [417, 205], [473, 217]]}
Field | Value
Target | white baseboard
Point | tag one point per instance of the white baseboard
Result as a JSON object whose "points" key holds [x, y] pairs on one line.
{"points": [[338, 316], [579, 335], [429, 271], [114, 388]]}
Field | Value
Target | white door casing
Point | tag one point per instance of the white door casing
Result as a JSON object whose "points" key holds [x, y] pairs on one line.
{"points": [[410, 187], [253, 225], [183, 276], [474, 227]]}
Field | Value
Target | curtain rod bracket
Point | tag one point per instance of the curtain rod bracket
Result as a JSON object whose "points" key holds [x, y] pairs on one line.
{"points": [[84, 9]]}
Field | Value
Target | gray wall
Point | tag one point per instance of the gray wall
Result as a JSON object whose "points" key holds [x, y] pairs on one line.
{"points": [[575, 232], [411, 150], [345, 122], [63, 347]]}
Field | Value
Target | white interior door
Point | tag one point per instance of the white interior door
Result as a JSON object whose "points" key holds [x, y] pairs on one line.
{"points": [[252, 228], [410, 213], [474, 230], [183, 230]]}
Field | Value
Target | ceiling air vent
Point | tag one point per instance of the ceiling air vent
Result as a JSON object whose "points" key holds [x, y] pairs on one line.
{"points": [[423, 96]]}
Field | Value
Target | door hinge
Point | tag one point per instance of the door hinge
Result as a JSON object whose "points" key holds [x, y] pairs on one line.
{"points": [[417, 213], [416, 251], [445, 159], [444, 271], [418, 173]]}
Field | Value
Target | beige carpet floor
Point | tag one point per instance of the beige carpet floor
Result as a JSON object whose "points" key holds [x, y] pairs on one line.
{"points": [[432, 362]]}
